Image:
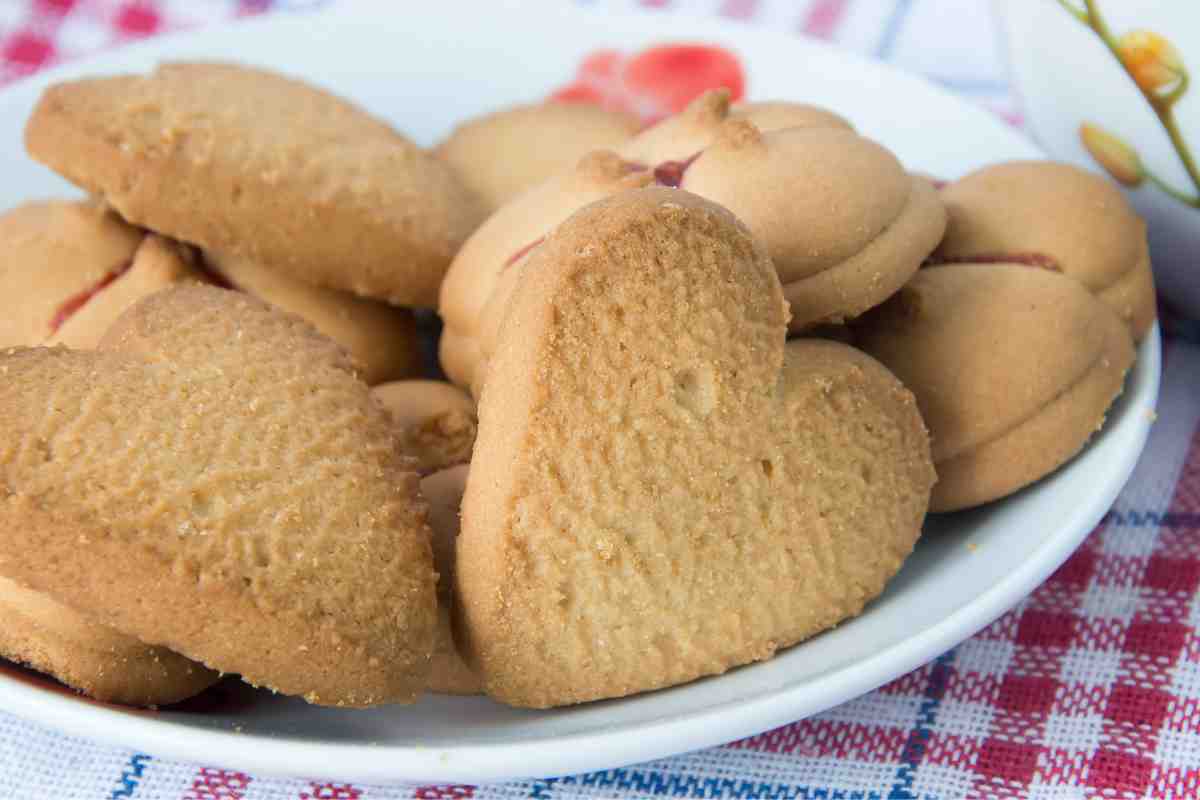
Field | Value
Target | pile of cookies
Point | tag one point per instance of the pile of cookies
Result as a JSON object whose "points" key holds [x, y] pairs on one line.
{"points": [[706, 380]]}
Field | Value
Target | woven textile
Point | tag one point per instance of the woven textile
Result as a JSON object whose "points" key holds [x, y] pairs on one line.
{"points": [[1089, 688]]}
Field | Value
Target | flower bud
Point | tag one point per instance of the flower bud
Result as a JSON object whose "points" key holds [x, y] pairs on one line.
{"points": [[1154, 63], [1119, 159]]}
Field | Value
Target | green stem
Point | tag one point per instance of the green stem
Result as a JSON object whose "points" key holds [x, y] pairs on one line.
{"points": [[1162, 107], [1075, 12], [1186, 199]]}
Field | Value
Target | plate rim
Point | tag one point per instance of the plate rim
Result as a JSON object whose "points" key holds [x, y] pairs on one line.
{"points": [[670, 734]]}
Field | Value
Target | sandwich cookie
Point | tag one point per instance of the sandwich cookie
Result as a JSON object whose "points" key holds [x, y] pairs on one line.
{"points": [[72, 267], [1057, 217], [1013, 368], [500, 155], [845, 225]]}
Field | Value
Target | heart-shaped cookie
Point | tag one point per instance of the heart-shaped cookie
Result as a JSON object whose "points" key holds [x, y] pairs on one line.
{"points": [[844, 224], [94, 659], [255, 165], [220, 483], [661, 489]]}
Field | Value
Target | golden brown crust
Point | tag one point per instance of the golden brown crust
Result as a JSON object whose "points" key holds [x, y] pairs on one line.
{"points": [[1013, 367], [844, 224], [659, 492], [500, 155], [96, 660], [248, 162], [876, 272], [222, 460], [382, 338], [1070, 218]]}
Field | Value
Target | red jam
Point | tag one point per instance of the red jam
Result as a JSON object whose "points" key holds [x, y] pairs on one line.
{"points": [[670, 173], [524, 251], [77, 301]]}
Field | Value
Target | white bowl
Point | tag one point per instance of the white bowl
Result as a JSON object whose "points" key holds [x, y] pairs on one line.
{"points": [[1067, 76]]}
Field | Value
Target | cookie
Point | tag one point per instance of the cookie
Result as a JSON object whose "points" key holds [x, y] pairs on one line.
{"points": [[71, 267], [261, 167], [505, 240], [1058, 217], [93, 659], [500, 155], [775, 115], [1013, 367], [662, 489], [845, 225], [444, 490], [382, 338], [221, 458], [434, 421]]}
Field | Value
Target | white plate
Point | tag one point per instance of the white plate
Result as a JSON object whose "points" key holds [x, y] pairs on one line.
{"points": [[427, 71]]}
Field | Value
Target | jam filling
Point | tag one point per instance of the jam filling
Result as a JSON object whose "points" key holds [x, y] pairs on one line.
{"points": [[69, 307], [670, 173], [524, 251], [72, 304]]}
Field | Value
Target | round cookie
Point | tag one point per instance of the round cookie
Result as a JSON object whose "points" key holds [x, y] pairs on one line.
{"points": [[773, 115], [255, 165], [1059, 217], [382, 338], [1013, 367], [858, 228], [434, 421], [444, 490], [221, 457], [93, 659], [500, 155], [71, 267], [662, 489]]}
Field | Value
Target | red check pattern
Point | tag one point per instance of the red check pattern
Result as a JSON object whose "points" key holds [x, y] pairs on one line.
{"points": [[1089, 688]]}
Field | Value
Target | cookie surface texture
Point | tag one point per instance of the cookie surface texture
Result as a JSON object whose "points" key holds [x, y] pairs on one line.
{"points": [[1014, 368], [382, 338], [241, 485], [843, 222], [661, 489], [500, 155], [1059, 217], [248, 162], [50, 637]]}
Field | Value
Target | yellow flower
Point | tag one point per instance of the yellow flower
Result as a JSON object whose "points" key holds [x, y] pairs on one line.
{"points": [[1119, 159], [1154, 63]]}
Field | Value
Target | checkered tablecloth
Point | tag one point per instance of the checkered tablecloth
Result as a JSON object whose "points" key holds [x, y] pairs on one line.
{"points": [[1089, 688]]}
